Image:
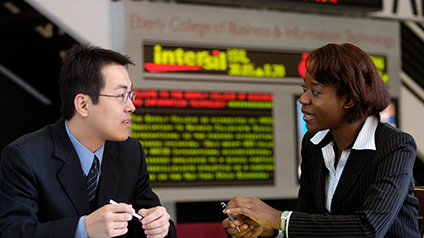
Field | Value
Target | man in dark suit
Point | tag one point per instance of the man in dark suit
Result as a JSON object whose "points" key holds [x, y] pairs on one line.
{"points": [[58, 181], [356, 176]]}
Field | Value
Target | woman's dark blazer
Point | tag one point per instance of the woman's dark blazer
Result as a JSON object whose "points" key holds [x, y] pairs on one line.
{"points": [[374, 197]]}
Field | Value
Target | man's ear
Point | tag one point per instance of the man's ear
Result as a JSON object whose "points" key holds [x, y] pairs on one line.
{"points": [[81, 103], [348, 103]]}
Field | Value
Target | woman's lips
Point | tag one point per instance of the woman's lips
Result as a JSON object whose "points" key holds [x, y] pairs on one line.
{"points": [[308, 116]]}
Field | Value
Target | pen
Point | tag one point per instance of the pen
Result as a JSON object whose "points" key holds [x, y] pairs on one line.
{"points": [[136, 215], [223, 205]]}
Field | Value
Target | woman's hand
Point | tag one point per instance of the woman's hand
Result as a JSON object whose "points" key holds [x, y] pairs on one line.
{"points": [[256, 210], [248, 228]]}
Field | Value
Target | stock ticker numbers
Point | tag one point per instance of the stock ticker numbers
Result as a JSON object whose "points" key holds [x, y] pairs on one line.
{"points": [[237, 62], [205, 137]]}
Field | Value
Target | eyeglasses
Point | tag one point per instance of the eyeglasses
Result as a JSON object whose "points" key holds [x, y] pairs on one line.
{"points": [[124, 96]]}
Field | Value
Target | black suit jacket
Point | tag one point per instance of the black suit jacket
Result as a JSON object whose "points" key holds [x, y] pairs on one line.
{"points": [[42, 188], [374, 197]]}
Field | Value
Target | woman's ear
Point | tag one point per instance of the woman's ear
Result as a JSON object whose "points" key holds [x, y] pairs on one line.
{"points": [[81, 102], [349, 103]]}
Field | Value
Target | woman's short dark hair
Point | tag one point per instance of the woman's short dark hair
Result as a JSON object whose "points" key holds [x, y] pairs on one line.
{"points": [[351, 72], [81, 73]]}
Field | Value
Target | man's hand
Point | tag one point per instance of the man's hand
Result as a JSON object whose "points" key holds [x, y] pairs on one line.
{"points": [[109, 221], [155, 222]]}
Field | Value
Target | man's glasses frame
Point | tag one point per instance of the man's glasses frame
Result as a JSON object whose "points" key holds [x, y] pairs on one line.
{"points": [[124, 96]]}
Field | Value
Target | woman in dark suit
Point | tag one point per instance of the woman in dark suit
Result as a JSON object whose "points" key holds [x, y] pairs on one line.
{"points": [[357, 176]]}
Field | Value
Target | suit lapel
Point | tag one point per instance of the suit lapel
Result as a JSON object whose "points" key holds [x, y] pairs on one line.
{"points": [[67, 175], [320, 172], [74, 186], [109, 179], [351, 173], [319, 180]]}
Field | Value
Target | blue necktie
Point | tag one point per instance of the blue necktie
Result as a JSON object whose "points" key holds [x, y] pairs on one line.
{"points": [[91, 180]]}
